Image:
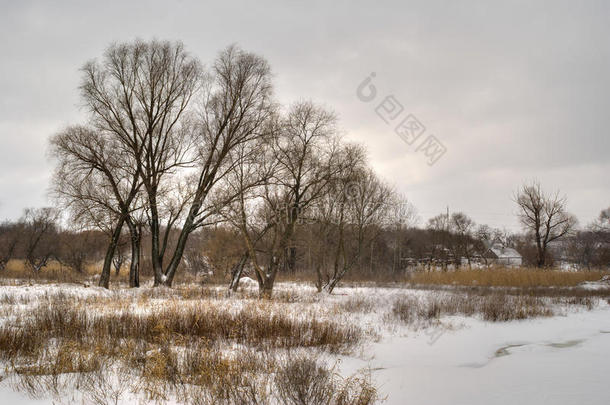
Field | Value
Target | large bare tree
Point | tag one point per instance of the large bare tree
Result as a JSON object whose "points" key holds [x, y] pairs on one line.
{"points": [[544, 216], [236, 109], [139, 97]]}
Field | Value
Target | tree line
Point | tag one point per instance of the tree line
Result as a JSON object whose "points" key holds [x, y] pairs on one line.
{"points": [[387, 250]]}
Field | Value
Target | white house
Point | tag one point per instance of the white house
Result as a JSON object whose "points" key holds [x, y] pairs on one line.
{"points": [[502, 255]]}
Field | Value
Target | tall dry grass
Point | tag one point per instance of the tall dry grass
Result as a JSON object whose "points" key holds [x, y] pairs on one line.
{"points": [[17, 272], [188, 346], [496, 307], [258, 325], [506, 277]]}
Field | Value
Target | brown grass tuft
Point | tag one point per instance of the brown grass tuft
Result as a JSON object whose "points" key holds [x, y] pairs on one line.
{"points": [[494, 307]]}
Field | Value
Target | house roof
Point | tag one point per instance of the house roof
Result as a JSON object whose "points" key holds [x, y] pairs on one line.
{"points": [[503, 252]]}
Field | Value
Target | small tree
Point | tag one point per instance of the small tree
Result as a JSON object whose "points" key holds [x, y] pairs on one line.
{"points": [[120, 257], [440, 240], [9, 238], [602, 224], [40, 241], [78, 248], [461, 226], [356, 209], [544, 216], [582, 248]]}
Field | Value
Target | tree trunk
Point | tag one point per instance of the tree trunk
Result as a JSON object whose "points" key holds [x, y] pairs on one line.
{"points": [[322, 278], [332, 284], [114, 240], [292, 259], [166, 277], [157, 262], [237, 271], [266, 283], [136, 243], [541, 257], [266, 289], [539, 247]]}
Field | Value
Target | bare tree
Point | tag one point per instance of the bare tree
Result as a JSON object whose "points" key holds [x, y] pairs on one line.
{"points": [[78, 247], [602, 224], [356, 207], [236, 108], [401, 215], [484, 237], [462, 228], [304, 152], [138, 98], [490, 235], [440, 240], [142, 94], [544, 216], [9, 239], [590, 247], [96, 180], [332, 214], [40, 242], [582, 248], [253, 169], [119, 258]]}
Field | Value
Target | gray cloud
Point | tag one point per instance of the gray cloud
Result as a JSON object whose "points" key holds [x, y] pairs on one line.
{"points": [[514, 90]]}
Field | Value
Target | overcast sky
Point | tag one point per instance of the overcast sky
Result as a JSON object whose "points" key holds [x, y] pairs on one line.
{"points": [[513, 90]]}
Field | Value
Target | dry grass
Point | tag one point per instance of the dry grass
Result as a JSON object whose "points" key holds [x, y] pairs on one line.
{"points": [[358, 303], [196, 375], [494, 308], [506, 277], [261, 324], [17, 271], [190, 345], [304, 381], [493, 305], [557, 293]]}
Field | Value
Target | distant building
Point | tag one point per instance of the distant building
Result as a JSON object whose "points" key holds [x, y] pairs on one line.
{"points": [[502, 255]]}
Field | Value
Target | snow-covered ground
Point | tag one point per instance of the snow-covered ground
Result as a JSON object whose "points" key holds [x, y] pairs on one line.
{"points": [[563, 359], [559, 360]]}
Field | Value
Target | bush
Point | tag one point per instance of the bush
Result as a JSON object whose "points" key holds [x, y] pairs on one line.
{"points": [[302, 381]]}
